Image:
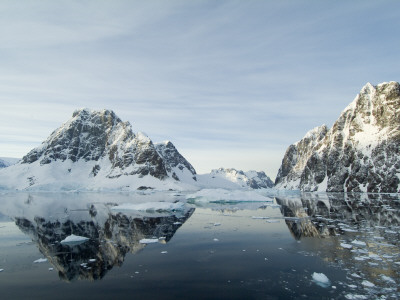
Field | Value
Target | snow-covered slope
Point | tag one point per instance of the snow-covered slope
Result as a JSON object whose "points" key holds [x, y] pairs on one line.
{"points": [[235, 179], [360, 153], [252, 179], [95, 150]]}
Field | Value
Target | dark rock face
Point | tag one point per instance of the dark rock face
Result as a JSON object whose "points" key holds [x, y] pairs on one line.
{"points": [[174, 161], [360, 153], [3, 164], [296, 155], [101, 136]]}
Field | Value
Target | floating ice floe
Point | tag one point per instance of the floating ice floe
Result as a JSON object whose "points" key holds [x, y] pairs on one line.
{"points": [[210, 195], [349, 230], [73, 240], [321, 279], [367, 283], [148, 241], [259, 218], [361, 258], [388, 279], [359, 243], [40, 260], [164, 252], [355, 297], [150, 207], [1, 270], [346, 246]]}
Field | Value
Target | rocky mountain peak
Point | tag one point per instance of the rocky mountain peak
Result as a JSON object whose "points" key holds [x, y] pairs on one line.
{"points": [[360, 153], [176, 164], [85, 136], [95, 146]]}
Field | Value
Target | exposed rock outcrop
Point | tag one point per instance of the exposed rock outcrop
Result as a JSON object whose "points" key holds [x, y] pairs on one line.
{"points": [[360, 153]]}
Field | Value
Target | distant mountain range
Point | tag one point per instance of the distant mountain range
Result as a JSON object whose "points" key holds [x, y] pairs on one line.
{"points": [[7, 161], [360, 153]]}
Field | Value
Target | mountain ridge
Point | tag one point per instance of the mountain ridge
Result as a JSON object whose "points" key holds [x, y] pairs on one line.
{"points": [[360, 153]]}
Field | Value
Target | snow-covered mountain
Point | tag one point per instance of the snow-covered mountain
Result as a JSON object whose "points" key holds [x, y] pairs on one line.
{"points": [[360, 153], [95, 150], [176, 165], [251, 179], [7, 161]]}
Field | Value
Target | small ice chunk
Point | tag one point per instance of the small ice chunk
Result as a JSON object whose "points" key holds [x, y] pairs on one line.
{"points": [[355, 275], [73, 239], [367, 283], [1, 270], [349, 230], [177, 223], [388, 279], [40, 260], [352, 286], [359, 243], [216, 240], [51, 269], [92, 260], [150, 207], [346, 246], [355, 297], [361, 258], [217, 224], [259, 218], [164, 252], [321, 279], [273, 221], [148, 241], [374, 256]]}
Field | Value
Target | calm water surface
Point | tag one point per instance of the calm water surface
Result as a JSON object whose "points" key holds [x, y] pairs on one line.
{"points": [[199, 250]]}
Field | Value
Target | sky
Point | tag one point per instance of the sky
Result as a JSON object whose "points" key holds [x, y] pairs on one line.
{"points": [[231, 83]]}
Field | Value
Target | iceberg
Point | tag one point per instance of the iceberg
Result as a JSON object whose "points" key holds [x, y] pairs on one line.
{"points": [[73, 240], [321, 279]]}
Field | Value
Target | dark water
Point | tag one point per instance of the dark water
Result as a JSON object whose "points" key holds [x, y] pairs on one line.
{"points": [[228, 250]]}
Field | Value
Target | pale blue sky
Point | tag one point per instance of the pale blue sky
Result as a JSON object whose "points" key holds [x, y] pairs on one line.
{"points": [[230, 83]]}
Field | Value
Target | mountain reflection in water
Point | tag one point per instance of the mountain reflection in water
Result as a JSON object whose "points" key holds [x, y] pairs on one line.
{"points": [[111, 236], [352, 238], [361, 234]]}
